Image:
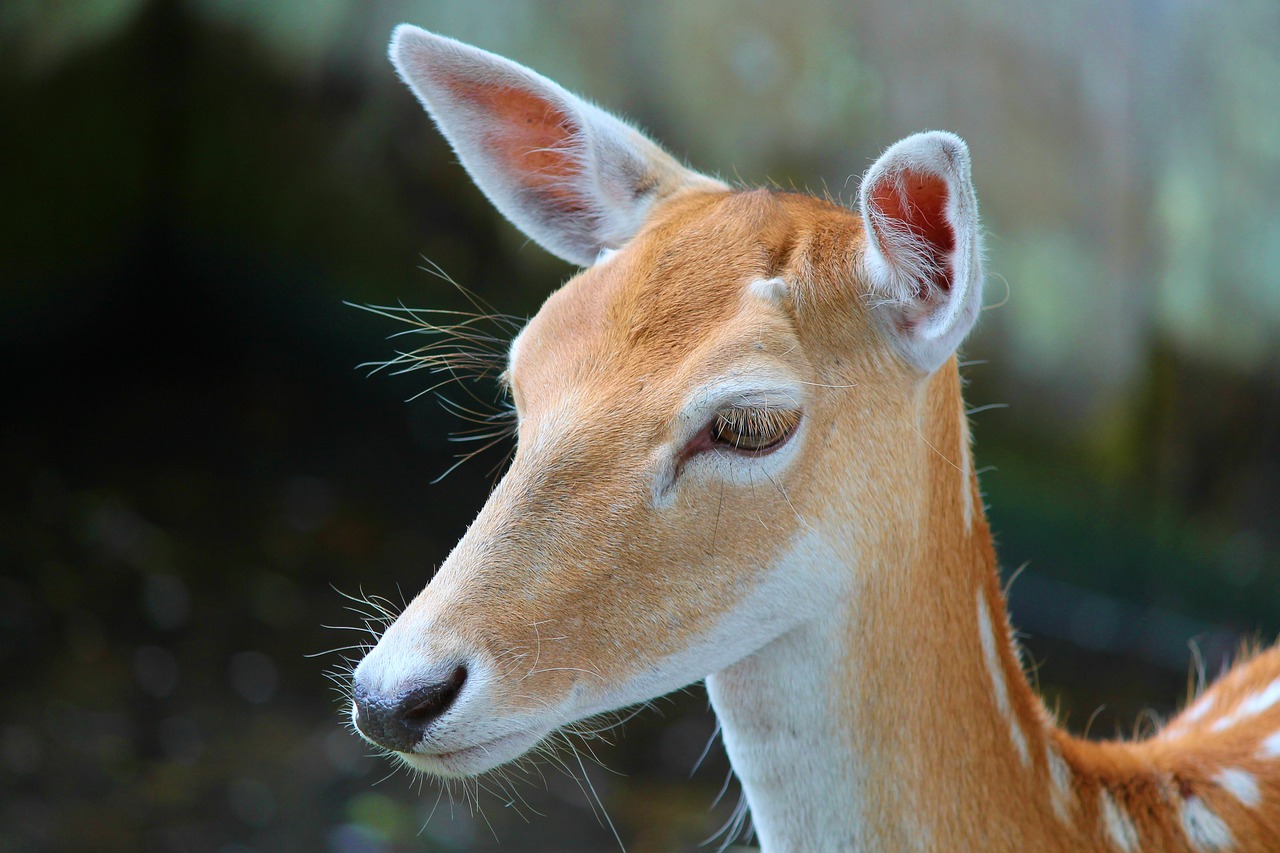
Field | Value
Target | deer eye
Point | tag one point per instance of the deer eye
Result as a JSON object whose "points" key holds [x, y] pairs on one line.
{"points": [[753, 430]]}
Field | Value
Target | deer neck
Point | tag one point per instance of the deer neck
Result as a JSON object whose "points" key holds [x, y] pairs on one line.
{"points": [[898, 717]]}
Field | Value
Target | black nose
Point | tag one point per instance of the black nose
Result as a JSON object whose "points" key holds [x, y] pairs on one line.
{"points": [[399, 722]]}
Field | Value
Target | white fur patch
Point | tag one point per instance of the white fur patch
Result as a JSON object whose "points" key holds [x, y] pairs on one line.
{"points": [[1204, 829], [1060, 777], [1260, 702], [1270, 747], [515, 348], [986, 634], [1118, 825], [1250, 706], [1240, 784], [770, 289], [1196, 711], [780, 747]]}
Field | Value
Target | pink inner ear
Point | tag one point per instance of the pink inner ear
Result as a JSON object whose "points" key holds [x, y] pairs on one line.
{"points": [[532, 139], [917, 202]]}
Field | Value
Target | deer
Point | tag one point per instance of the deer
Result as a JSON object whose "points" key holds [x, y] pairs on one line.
{"points": [[743, 456]]}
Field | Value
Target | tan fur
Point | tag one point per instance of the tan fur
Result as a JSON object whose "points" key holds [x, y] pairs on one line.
{"points": [[573, 581], [602, 369]]}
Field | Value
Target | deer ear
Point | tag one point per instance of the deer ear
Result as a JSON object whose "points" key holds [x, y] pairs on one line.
{"points": [[566, 173], [923, 255]]}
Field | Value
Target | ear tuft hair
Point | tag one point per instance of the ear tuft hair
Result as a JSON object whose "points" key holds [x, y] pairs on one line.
{"points": [[923, 261]]}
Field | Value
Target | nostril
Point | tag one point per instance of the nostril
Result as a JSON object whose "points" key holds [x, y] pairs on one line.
{"points": [[399, 722], [427, 703]]}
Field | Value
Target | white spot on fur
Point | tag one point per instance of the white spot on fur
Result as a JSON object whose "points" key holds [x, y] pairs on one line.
{"points": [[1196, 711], [605, 254], [1204, 829], [1118, 824], [1060, 777], [1240, 784], [1250, 706], [1270, 747], [986, 634], [771, 289], [1260, 702]]}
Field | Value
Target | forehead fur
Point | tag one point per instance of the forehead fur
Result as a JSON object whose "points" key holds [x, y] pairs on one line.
{"points": [[687, 270]]}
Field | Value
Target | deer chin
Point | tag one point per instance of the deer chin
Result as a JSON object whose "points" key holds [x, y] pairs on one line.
{"points": [[466, 761]]}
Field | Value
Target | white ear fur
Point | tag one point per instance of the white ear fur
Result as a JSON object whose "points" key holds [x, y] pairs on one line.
{"points": [[570, 175], [923, 258]]}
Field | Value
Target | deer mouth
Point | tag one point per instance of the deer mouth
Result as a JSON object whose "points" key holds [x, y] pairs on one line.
{"points": [[471, 760]]}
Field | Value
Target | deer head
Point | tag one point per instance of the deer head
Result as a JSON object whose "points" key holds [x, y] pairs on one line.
{"points": [[719, 402]]}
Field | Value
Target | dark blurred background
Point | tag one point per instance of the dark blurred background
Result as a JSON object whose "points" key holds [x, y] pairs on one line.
{"points": [[193, 467]]}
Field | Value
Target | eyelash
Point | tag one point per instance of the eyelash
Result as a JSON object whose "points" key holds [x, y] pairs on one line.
{"points": [[753, 431]]}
